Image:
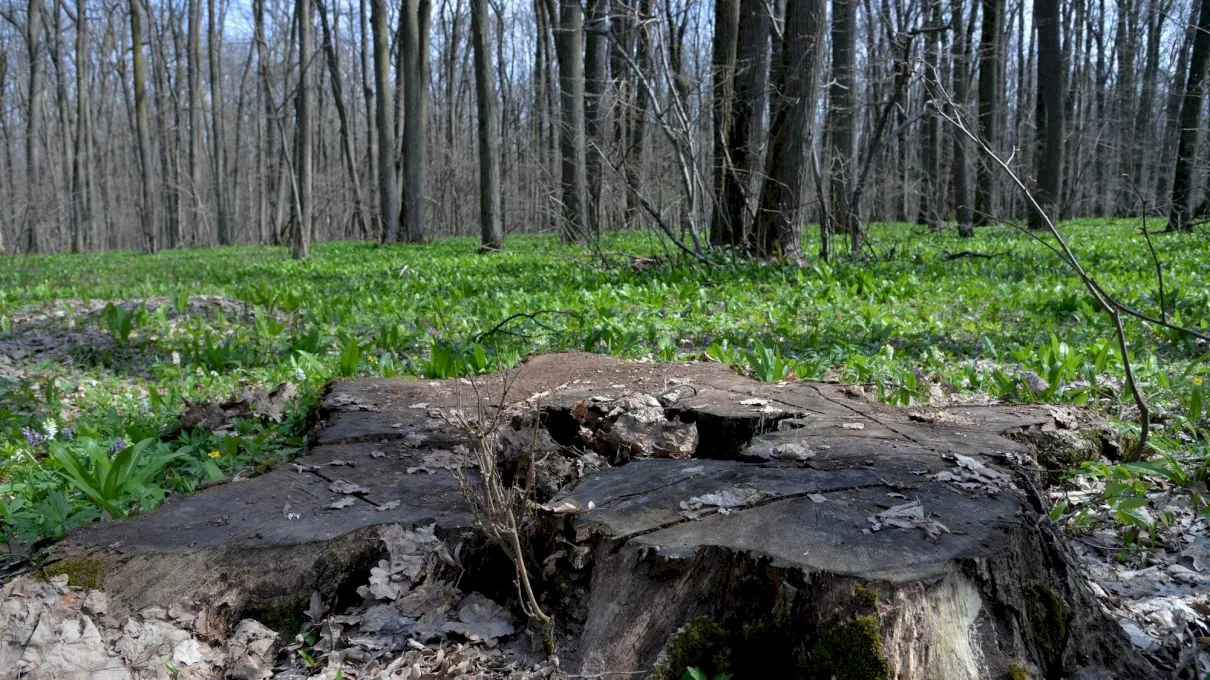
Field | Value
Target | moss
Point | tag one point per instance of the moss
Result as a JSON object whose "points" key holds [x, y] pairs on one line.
{"points": [[701, 643], [1046, 626], [281, 615], [82, 573], [1018, 672], [850, 649], [866, 596], [1046, 612]]}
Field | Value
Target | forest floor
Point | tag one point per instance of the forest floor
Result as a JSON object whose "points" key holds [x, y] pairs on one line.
{"points": [[125, 378]]}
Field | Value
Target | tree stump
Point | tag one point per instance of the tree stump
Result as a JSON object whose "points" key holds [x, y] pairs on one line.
{"points": [[807, 534]]}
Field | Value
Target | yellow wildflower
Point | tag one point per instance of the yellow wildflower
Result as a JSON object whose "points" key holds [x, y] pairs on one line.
{"points": [[214, 454], [1197, 380]]}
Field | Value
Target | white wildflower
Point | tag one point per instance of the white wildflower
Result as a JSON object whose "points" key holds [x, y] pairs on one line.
{"points": [[50, 427]]}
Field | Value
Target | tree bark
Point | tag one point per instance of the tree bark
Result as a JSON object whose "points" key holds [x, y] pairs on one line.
{"points": [[303, 133], [927, 212], [596, 58], [747, 121], [218, 124], [960, 163], [990, 51], [491, 232], [569, 53], [1048, 119], [722, 73], [147, 210], [81, 159], [842, 116], [779, 220], [1180, 216], [33, 119], [414, 44], [388, 196], [346, 135]]}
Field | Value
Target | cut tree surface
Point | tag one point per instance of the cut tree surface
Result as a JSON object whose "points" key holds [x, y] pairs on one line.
{"points": [[810, 534]]}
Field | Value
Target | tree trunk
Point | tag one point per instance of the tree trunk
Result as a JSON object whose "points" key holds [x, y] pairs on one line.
{"points": [[81, 159], [33, 118], [928, 212], [1180, 216], [990, 50], [303, 134], [841, 117], [346, 135], [1048, 119], [388, 197], [726, 42], [779, 220], [491, 233], [217, 124], [414, 43], [960, 163], [569, 52], [147, 210], [596, 58], [747, 119]]}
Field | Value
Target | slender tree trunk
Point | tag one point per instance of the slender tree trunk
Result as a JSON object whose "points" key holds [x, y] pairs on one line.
{"points": [[596, 58], [726, 42], [990, 51], [388, 197], [1049, 112], [33, 118], [346, 136], [81, 159], [218, 123], [491, 232], [1180, 216], [747, 121], [303, 133], [960, 163], [147, 210], [779, 220], [569, 48], [928, 212], [414, 44], [842, 116]]}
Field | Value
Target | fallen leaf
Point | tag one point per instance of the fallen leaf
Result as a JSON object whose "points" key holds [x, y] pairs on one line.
{"points": [[340, 503], [853, 426], [341, 486]]}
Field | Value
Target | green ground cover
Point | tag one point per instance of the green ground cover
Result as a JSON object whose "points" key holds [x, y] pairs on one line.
{"points": [[100, 352]]}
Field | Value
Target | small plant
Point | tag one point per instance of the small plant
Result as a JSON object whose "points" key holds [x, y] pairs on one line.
{"points": [[113, 480], [120, 321]]}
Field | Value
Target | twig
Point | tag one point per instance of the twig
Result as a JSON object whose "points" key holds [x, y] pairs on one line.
{"points": [[968, 253], [1159, 269], [1111, 307], [532, 316]]}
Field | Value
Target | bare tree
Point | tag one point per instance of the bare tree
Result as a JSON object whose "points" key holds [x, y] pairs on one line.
{"points": [[33, 118], [346, 136], [491, 233], [779, 220]]}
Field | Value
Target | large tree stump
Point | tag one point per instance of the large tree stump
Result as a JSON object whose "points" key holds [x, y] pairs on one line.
{"points": [[811, 534]]}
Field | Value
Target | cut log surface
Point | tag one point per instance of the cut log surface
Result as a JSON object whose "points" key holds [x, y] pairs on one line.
{"points": [[812, 534]]}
